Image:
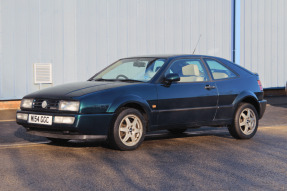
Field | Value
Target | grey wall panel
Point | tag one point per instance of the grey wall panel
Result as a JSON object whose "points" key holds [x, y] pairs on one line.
{"points": [[8, 48], [81, 37], [264, 41], [1, 52]]}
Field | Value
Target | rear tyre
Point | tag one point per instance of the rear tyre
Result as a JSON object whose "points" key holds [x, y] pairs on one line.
{"points": [[245, 122], [58, 141], [128, 130], [177, 131]]}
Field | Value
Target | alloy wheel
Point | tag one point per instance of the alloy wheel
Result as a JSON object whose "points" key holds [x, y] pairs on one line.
{"points": [[130, 130], [247, 121]]}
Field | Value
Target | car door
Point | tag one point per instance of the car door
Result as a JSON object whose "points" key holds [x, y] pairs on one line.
{"points": [[191, 100]]}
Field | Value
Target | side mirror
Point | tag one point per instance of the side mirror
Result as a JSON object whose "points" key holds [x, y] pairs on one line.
{"points": [[169, 78]]}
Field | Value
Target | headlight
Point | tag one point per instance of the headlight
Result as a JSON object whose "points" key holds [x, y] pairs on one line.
{"points": [[69, 105], [26, 103]]}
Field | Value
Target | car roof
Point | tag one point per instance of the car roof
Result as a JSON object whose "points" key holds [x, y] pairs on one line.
{"points": [[171, 56]]}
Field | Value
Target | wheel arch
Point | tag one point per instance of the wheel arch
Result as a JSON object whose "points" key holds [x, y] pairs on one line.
{"points": [[135, 102], [247, 97], [235, 128]]}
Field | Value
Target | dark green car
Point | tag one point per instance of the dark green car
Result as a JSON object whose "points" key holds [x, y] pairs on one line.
{"points": [[140, 94]]}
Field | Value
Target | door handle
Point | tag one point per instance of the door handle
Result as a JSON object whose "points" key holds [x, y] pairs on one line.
{"points": [[208, 87]]}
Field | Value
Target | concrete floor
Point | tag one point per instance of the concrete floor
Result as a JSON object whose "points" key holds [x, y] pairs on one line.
{"points": [[201, 159]]}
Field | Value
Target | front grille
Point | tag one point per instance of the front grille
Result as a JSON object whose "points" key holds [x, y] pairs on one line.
{"points": [[52, 104]]}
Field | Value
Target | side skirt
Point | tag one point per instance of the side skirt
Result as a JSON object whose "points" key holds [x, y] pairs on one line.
{"points": [[216, 123]]}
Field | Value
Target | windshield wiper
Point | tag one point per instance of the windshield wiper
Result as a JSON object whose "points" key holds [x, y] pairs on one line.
{"points": [[101, 79], [121, 80], [129, 80]]}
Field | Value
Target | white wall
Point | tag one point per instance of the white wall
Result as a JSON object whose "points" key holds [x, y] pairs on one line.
{"points": [[80, 37], [264, 41]]}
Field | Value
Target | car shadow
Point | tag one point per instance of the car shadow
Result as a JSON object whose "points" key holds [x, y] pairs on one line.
{"points": [[21, 133], [151, 136], [82, 143], [219, 132]]}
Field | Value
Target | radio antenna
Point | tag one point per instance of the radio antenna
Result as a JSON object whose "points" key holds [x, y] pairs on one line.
{"points": [[196, 44]]}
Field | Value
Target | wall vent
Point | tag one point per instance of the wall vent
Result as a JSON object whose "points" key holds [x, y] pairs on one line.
{"points": [[42, 73]]}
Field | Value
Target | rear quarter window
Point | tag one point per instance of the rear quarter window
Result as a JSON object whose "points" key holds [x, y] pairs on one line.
{"points": [[219, 71]]}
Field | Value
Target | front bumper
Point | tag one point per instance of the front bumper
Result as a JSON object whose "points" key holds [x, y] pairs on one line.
{"points": [[85, 126], [262, 105]]}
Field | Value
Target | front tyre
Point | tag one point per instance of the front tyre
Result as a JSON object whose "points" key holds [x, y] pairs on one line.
{"points": [[245, 122], [128, 130]]}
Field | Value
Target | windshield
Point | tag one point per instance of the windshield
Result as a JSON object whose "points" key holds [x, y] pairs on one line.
{"points": [[133, 69]]}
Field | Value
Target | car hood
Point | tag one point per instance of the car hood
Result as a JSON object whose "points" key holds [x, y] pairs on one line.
{"points": [[75, 89]]}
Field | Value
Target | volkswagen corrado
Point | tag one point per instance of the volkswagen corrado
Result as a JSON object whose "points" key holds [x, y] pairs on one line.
{"points": [[139, 94]]}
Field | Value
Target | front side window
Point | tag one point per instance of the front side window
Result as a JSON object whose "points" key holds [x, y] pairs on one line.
{"points": [[134, 69], [189, 70], [219, 71]]}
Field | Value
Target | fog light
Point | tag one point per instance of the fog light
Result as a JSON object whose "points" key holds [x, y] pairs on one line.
{"points": [[22, 116], [66, 120]]}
